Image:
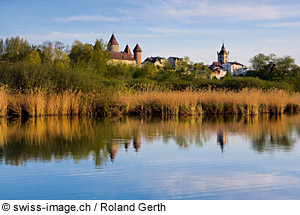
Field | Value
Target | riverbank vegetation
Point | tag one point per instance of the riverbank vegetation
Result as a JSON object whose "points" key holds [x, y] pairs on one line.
{"points": [[52, 79], [37, 102]]}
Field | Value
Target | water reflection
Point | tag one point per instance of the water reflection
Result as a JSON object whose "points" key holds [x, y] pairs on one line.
{"points": [[53, 138], [222, 139], [137, 141]]}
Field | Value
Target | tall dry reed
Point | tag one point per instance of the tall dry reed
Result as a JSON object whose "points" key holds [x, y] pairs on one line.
{"points": [[3, 101], [36, 102], [220, 101]]}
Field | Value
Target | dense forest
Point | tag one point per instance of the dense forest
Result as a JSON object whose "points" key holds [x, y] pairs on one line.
{"points": [[55, 67]]}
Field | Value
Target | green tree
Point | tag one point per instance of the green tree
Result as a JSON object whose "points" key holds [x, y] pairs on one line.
{"points": [[182, 65], [47, 52], [260, 62], [272, 67], [200, 71], [33, 58], [81, 54], [15, 49], [285, 66], [100, 57], [147, 71], [76, 51], [1, 48]]}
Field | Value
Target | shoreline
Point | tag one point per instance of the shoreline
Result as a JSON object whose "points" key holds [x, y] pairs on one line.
{"points": [[36, 102]]}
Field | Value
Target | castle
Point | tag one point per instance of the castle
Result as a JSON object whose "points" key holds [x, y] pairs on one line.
{"points": [[125, 56], [219, 69]]}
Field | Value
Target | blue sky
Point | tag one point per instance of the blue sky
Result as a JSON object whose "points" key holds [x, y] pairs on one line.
{"points": [[165, 28]]}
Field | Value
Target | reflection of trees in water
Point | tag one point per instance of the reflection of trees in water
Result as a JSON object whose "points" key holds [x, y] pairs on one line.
{"points": [[276, 134], [272, 143], [267, 133], [53, 138]]}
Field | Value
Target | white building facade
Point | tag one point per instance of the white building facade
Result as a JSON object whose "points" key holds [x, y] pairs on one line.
{"points": [[235, 68], [173, 61]]}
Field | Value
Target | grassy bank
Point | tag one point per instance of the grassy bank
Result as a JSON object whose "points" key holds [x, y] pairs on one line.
{"points": [[36, 102]]}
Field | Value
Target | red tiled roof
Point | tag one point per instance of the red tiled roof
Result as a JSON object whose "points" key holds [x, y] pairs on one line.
{"points": [[127, 50], [216, 64], [121, 56], [113, 40], [218, 70], [137, 48], [154, 59]]}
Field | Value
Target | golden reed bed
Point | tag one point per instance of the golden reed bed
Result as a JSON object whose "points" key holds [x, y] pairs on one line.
{"points": [[36, 102]]}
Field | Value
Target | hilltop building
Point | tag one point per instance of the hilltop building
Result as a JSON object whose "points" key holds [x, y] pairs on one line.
{"points": [[160, 61], [223, 55], [234, 68], [156, 61], [125, 56], [217, 70], [173, 61]]}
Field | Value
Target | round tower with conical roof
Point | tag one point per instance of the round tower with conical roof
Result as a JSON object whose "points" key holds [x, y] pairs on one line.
{"points": [[137, 54], [113, 45]]}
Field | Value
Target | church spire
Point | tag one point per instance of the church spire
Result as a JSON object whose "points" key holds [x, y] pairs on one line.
{"points": [[223, 55]]}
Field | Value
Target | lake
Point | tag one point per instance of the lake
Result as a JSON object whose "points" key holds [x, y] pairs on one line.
{"points": [[230, 157]]}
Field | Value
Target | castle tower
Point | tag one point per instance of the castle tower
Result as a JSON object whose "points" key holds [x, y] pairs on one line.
{"points": [[127, 50], [113, 45], [137, 52], [223, 55]]}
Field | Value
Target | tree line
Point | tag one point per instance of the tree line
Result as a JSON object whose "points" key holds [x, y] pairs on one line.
{"points": [[86, 67], [277, 69]]}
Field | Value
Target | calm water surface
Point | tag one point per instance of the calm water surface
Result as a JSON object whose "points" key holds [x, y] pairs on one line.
{"points": [[128, 158]]}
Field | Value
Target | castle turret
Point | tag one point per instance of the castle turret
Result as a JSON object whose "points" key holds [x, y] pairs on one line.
{"points": [[223, 55], [137, 51], [113, 45], [127, 50]]}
